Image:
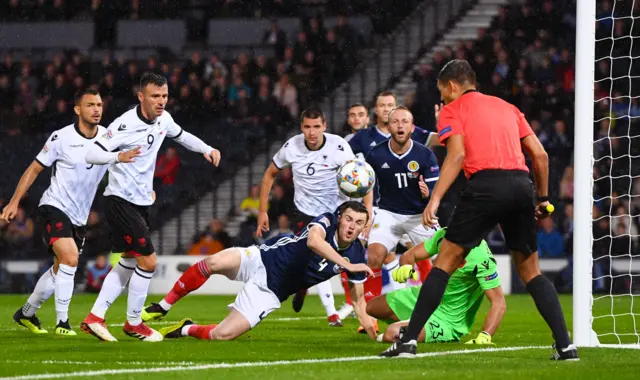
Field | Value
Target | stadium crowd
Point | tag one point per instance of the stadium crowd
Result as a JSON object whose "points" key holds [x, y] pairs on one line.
{"points": [[526, 57]]}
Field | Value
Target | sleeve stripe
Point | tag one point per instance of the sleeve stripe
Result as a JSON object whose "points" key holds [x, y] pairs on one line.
{"points": [[178, 135], [101, 146], [41, 164], [431, 179], [276, 165]]}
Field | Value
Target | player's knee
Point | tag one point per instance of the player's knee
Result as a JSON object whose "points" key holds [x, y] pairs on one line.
{"points": [[222, 334], [69, 260], [147, 263], [392, 333], [376, 255]]}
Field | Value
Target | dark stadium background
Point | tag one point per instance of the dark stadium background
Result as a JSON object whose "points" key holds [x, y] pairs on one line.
{"points": [[240, 72]]}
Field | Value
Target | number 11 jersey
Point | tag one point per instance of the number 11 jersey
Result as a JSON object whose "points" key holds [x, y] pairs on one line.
{"points": [[314, 172]]}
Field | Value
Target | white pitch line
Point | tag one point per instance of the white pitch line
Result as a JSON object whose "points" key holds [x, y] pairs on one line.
{"points": [[74, 362], [253, 364]]}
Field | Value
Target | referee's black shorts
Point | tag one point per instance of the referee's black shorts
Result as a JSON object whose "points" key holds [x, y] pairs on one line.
{"points": [[300, 220], [129, 226], [491, 197]]}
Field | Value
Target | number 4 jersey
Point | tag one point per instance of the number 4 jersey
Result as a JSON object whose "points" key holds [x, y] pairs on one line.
{"points": [[314, 172], [292, 266], [73, 182]]}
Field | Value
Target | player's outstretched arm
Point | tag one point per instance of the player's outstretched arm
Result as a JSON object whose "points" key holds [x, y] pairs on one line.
{"points": [[360, 308], [27, 179], [265, 189], [316, 241], [494, 316], [194, 144], [97, 155]]}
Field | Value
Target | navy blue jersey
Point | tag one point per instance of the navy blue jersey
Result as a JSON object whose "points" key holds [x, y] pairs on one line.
{"points": [[292, 266], [397, 177], [366, 139]]}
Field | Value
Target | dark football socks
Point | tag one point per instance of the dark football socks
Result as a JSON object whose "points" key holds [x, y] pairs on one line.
{"points": [[546, 298], [428, 301]]}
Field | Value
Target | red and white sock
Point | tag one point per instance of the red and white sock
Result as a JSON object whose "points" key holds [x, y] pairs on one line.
{"points": [[198, 331], [373, 285], [345, 285], [192, 279]]}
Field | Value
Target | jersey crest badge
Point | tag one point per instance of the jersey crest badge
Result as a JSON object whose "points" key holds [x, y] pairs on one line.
{"points": [[108, 135], [45, 148], [413, 166]]}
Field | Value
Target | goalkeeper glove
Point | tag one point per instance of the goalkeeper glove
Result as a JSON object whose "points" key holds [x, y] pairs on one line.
{"points": [[402, 274], [482, 338]]}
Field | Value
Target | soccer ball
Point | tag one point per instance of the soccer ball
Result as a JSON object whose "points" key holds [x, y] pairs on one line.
{"points": [[355, 178]]}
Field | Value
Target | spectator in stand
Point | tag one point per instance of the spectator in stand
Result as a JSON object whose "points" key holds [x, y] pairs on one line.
{"points": [[279, 204], [167, 166], [212, 241], [276, 38], [251, 203], [96, 274], [20, 231], [566, 184], [287, 96], [550, 240], [284, 227]]}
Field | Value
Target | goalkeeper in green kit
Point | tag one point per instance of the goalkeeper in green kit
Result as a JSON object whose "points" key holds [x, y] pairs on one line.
{"points": [[478, 277]]}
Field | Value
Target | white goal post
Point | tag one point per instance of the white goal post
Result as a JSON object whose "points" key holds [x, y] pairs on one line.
{"points": [[606, 94], [583, 334]]}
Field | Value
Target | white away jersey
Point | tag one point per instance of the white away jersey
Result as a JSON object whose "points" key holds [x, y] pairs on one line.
{"points": [[314, 172], [133, 181], [73, 182]]}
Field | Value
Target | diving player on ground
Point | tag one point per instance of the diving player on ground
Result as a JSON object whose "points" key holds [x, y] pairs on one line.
{"points": [[64, 208], [314, 157], [454, 317], [275, 270]]}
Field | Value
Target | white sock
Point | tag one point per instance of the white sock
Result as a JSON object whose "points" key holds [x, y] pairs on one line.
{"points": [[326, 297], [138, 288], [113, 286], [64, 291], [392, 285], [165, 305], [43, 291], [185, 330]]}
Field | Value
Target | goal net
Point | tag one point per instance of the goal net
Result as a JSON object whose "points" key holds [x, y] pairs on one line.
{"points": [[607, 174]]}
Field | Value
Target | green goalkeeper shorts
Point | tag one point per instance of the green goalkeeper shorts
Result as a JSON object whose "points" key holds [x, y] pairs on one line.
{"points": [[403, 301]]}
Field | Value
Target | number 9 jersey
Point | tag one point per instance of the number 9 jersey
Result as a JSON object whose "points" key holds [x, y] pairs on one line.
{"points": [[133, 181]]}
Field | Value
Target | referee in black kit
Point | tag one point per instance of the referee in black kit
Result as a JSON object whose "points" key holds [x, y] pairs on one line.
{"points": [[484, 136]]}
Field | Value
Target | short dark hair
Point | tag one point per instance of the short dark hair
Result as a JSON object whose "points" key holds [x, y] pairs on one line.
{"points": [[354, 105], [388, 93], [312, 113], [457, 70], [155, 79], [77, 98], [355, 206]]}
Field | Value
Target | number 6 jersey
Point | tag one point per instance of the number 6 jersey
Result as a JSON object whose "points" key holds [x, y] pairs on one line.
{"points": [[314, 172]]}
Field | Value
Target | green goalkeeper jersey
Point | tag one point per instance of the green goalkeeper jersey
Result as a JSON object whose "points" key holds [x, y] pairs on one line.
{"points": [[466, 287]]}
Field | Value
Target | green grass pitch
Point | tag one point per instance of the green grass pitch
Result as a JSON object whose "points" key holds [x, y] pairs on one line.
{"points": [[288, 345]]}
